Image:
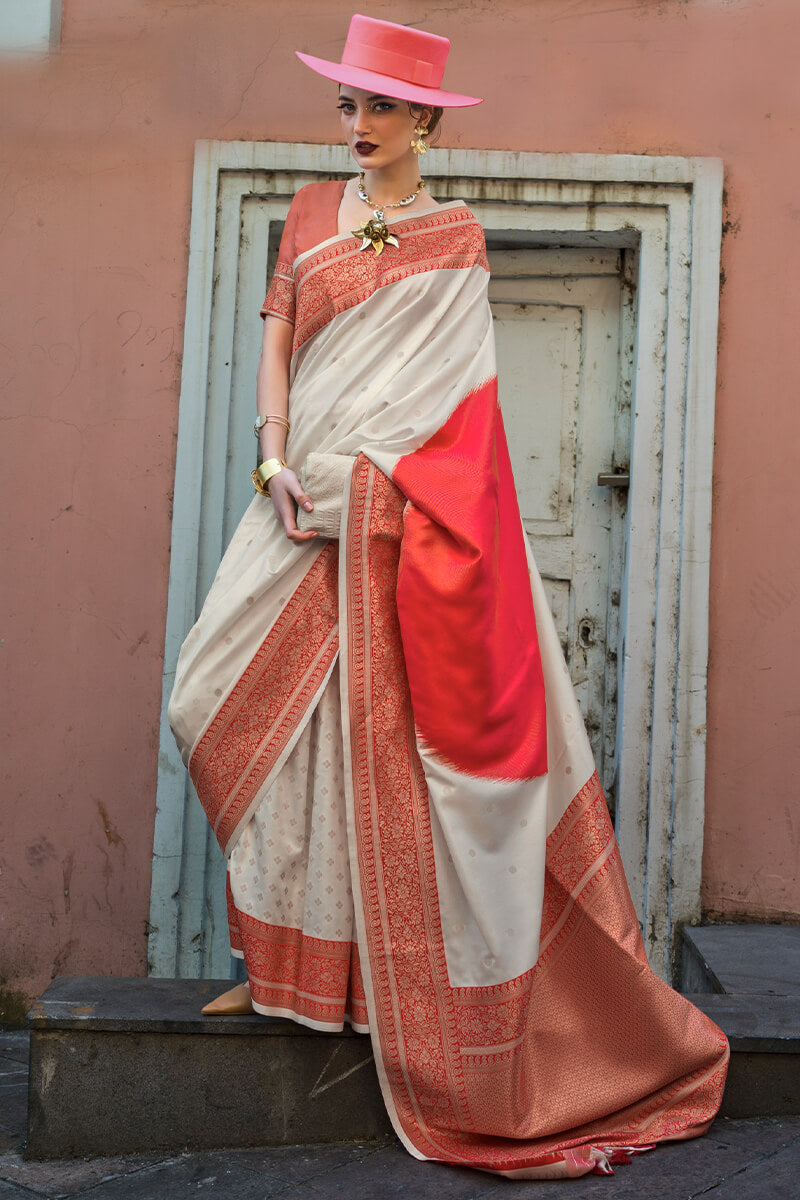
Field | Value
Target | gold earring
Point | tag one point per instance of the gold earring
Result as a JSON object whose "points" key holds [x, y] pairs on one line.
{"points": [[418, 144]]}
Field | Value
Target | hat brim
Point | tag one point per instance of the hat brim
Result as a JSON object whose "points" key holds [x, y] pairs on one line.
{"points": [[386, 85]]}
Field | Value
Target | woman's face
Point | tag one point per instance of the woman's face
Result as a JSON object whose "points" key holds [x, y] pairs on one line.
{"points": [[378, 129]]}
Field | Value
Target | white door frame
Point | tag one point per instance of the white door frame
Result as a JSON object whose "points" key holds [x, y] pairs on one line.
{"points": [[670, 209]]}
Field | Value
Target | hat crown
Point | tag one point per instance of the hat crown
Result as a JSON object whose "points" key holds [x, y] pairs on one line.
{"points": [[387, 59], [407, 54]]}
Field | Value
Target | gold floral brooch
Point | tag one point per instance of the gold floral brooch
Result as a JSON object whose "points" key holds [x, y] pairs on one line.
{"points": [[375, 233]]}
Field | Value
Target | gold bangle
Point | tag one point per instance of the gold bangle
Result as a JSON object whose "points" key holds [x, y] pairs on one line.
{"points": [[258, 485], [263, 419], [262, 475]]}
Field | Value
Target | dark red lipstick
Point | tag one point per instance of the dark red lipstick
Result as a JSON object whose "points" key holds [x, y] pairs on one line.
{"points": [[365, 148]]}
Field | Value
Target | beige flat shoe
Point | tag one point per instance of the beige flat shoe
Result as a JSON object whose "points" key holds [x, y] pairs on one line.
{"points": [[237, 1000]]}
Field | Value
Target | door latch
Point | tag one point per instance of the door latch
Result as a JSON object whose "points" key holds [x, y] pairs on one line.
{"points": [[620, 479]]}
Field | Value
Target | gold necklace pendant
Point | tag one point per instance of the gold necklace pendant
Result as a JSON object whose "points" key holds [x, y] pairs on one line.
{"points": [[375, 233]]}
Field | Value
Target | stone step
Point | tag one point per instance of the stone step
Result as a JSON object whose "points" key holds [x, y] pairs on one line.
{"points": [[764, 1033], [122, 1065], [738, 960], [747, 979]]}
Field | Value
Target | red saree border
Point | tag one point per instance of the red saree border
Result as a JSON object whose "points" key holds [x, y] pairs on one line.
{"points": [[389, 790], [589, 1047], [260, 715], [451, 240], [233, 922], [279, 300], [316, 979]]}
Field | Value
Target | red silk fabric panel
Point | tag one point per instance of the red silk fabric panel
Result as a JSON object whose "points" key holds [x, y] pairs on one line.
{"points": [[464, 600]]}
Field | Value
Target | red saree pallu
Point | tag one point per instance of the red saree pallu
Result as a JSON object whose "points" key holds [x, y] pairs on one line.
{"points": [[384, 736]]}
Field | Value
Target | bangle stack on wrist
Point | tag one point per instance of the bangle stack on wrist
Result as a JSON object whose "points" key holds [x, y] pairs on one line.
{"points": [[264, 419]]}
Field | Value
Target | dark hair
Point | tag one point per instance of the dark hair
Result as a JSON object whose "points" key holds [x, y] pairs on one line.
{"points": [[436, 115]]}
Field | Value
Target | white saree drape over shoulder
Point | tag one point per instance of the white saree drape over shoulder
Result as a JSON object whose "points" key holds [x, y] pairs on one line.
{"points": [[384, 736]]}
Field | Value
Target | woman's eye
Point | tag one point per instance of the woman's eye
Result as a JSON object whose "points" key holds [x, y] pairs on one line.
{"points": [[345, 107]]}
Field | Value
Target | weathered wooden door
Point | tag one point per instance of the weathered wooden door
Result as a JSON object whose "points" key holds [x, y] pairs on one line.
{"points": [[622, 303], [557, 322], [560, 316]]}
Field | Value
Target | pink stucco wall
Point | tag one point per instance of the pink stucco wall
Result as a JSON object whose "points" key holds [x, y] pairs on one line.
{"points": [[97, 150]]}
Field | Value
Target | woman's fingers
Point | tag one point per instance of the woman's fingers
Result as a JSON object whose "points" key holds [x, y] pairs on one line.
{"points": [[286, 514], [286, 492], [301, 499]]}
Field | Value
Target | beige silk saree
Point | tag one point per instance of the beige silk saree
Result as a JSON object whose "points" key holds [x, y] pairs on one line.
{"points": [[384, 736]]}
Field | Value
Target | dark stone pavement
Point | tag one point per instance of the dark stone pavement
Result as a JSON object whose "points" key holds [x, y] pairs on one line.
{"points": [[738, 1160]]}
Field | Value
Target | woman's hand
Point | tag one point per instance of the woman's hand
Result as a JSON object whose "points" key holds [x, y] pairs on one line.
{"points": [[286, 495]]}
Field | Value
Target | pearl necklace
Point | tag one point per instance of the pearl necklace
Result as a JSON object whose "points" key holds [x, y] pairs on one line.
{"points": [[375, 232]]}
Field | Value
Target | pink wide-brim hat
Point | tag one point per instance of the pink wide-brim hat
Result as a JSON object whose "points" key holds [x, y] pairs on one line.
{"points": [[392, 60]]}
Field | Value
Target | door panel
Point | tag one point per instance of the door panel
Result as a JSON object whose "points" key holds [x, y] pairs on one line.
{"points": [[558, 317]]}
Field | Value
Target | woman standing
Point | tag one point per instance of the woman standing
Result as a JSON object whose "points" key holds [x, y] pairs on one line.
{"points": [[376, 712]]}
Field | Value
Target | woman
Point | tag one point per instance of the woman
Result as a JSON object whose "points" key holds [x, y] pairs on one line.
{"points": [[376, 713]]}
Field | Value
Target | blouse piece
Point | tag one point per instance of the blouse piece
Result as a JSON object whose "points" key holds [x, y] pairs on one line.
{"points": [[309, 289], [312, 218]]}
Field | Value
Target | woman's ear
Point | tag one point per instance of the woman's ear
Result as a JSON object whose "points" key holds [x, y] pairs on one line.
{"points": [[421, 115]]}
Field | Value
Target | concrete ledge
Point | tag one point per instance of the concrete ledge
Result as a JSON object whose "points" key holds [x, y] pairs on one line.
{"points": [[106, 1004], [755, 1024], [755, 960], [124, 1065], [764, 1033], [747, 979]]}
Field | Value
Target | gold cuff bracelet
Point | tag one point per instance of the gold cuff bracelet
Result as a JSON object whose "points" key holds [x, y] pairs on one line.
{"points": [[262, 475]]}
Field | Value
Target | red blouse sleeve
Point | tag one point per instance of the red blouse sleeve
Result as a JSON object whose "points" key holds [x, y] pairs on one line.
{"points": [[280, 298], [311, 220]]}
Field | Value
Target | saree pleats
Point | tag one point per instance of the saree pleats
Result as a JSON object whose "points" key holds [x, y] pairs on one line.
{"points": [[290, 904]]}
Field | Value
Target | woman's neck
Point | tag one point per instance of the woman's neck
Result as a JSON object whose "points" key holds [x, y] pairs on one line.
{"points": [[387, 185]]}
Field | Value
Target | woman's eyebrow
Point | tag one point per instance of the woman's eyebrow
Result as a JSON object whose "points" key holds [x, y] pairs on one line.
{"points": [[344, 96]]}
